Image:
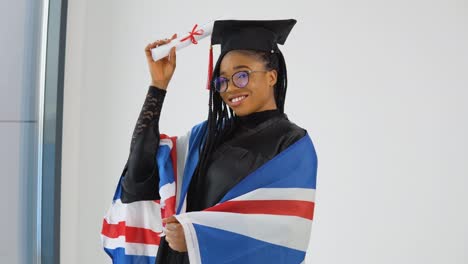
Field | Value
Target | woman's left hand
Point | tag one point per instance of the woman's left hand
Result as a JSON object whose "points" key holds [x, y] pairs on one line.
{"points": [[175, 234]]}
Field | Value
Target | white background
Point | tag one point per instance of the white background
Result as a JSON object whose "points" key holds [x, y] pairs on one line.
{"points": [[381, 87]]}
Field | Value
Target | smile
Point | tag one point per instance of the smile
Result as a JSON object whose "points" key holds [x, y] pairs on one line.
{"points": [[237, 100]]}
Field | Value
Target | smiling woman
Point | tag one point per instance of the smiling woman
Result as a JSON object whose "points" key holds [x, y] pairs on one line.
{"points": [[234, 180]]}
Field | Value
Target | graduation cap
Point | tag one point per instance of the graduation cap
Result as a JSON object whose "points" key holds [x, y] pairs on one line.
{"points": [[260, 35]]}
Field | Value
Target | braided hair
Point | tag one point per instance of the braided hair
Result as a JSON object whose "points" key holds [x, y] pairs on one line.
{"points": [[221, 118]]}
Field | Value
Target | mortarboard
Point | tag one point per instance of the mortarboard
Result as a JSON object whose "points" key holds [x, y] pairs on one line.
{"points": [[261, 35]]}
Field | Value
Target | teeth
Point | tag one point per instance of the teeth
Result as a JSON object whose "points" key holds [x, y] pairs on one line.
{"points": [[237, 99]]}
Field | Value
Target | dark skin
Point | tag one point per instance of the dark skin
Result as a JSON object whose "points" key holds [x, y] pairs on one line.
{"points": [[161, 71], [175, 236], [259, 96], [259, 91]]}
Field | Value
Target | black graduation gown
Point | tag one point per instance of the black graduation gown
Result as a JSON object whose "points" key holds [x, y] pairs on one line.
{"points": [[258, 137]]}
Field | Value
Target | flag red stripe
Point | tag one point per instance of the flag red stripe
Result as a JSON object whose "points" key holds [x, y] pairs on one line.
{"points": [[173, 152], [169, 208], [173, 155], [132, 234], [303, 209]]}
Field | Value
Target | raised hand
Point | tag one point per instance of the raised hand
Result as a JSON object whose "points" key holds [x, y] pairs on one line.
{"points": [[161, 70]]}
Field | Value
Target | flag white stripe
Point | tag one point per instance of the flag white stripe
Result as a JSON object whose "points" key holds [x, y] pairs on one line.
{"points": [[288, 231], [166, 192], [138, 249], [143, 214], [182, 145], [191, 239], [302, 194], [166, 142]]}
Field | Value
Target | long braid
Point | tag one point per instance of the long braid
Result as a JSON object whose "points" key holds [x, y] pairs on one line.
{"points": [[217, 117], [282, 82]]}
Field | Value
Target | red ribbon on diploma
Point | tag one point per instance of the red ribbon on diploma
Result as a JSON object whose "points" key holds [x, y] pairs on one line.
{"points": [[192, 35]]}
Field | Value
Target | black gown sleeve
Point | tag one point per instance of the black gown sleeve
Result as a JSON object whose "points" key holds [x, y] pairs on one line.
{"points": [[141, 178]]}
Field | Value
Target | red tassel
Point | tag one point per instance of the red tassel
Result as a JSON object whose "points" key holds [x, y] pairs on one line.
{"points": [[210, 68]]}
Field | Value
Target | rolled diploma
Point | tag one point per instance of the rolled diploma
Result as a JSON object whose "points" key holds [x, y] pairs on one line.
{"points": [[162, 51]]}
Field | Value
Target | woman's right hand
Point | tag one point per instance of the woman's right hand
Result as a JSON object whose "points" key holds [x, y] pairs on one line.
{"points": [[161, 70]]}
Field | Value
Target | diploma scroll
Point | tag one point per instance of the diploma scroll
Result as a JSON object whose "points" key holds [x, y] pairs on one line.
{"points": [[183, 40]]}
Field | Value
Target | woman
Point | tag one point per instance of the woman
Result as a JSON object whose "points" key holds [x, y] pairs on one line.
{"points": [[246, 125]]}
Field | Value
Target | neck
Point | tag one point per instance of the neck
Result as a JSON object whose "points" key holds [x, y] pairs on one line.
{"points": [[253, 119]]}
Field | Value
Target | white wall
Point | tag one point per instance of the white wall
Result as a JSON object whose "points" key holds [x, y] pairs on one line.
{"points": [[381, 87]]}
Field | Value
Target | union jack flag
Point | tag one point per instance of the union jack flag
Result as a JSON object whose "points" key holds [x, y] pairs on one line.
{"points": [[265, 218]]}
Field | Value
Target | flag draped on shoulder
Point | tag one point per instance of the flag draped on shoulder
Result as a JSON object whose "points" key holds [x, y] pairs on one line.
{"points": [[265, 218]]}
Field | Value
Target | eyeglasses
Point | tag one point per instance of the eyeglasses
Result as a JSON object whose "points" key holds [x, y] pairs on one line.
{"points": [[240, 79]]}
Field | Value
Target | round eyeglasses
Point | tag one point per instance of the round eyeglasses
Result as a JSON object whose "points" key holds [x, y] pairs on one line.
{"points": [[240, 79]]}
